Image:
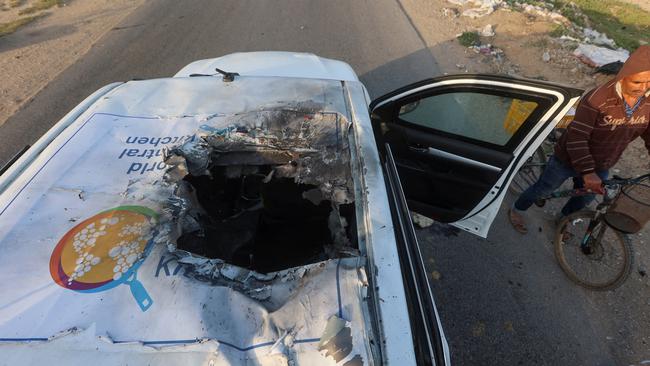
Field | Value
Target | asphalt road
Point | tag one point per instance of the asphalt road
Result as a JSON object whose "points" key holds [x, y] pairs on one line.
{"points": [[162, 36], [502, 300]]}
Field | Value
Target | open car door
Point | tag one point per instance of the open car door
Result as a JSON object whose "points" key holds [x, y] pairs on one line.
{"points": [[457, 141]]}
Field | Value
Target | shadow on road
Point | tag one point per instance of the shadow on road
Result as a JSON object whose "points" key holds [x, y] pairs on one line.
{"points": [[414, 67]]}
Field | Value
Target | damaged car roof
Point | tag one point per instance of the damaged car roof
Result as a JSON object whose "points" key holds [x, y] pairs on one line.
{"points": [[89, 232]]}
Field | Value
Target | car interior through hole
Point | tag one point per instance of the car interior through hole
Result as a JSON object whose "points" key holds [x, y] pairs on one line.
{"points": [[273, 191]]}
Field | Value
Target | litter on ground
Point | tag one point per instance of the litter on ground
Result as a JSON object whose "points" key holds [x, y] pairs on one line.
{"points": [[596, 56]]}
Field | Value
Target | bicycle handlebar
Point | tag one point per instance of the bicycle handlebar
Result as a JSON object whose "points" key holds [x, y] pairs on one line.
{"points": [[616, 180], [582, 191]]}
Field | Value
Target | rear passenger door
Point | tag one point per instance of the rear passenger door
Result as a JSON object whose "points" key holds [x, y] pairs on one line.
{"points": [[456, 141]]}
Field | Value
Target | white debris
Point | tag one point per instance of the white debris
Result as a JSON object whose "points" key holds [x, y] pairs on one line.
{"points": [[483, 7], [262, 293], [569, 38], [487, 31], [450, 13], [69, 331], [478, 12], [597, 38], [279, 347], [421, 221], [542, 12], [233, 272], [487, 49], [596, 56], [546, 57]]}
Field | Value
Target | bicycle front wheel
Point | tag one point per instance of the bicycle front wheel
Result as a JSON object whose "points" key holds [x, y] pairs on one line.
{"points": [[608, 262]]}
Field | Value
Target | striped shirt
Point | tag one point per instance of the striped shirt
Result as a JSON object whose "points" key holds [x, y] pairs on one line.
{"points": [[602, 129]]}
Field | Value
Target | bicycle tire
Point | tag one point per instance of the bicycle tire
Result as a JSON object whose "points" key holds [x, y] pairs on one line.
{"points": [[620, 241], [530, 172]]}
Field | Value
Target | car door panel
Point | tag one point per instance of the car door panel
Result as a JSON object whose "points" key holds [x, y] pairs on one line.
{"points": [[417, 139], [456, 140], [436, 192], [436, 168]]}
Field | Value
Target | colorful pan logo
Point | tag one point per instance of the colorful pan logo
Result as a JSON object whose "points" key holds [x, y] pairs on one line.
{"points": [[105, 251]]}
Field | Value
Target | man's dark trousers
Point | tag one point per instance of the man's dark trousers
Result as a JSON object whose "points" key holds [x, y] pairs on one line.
{"points": [[555, 173]]}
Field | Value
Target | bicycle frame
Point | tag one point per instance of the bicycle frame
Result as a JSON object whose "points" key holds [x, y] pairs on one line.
{"points": [[586, 242], [612, 188]]}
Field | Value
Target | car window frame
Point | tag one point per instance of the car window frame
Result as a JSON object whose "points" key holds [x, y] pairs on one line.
{"points": [[543, 103]]}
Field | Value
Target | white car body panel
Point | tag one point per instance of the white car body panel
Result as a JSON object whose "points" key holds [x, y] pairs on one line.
{"points": [[278, 64], [88, 167], [17, 168]]}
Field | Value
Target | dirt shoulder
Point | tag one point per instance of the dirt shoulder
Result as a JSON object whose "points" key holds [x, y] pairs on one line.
{"points": [[36, 53], [522, 38], [521, 47]]}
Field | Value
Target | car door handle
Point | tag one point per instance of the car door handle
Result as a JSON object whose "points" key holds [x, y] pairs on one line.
{"points": [[419, 149], [453, 157]]}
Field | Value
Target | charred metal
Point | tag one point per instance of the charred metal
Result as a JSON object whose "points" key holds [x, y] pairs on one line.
{"points": [[265, 190]]}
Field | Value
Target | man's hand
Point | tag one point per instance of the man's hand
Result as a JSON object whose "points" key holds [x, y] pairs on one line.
{"points": [[593, 183]]}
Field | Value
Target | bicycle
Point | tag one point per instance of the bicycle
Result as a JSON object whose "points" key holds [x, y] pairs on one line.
{"points": [[590, 251], [532, 169]]}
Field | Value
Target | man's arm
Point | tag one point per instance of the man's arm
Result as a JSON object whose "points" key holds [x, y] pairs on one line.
{"points": [[577, 144], [577, 137]]}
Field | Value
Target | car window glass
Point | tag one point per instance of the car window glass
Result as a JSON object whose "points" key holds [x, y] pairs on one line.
{"points": [[484, 117]]}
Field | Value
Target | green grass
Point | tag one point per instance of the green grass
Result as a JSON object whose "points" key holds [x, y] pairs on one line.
{"points": [[562, 30], [41, 5], [469, 39], [574, 13], [8, 28], [626, 24], [559, 31]]}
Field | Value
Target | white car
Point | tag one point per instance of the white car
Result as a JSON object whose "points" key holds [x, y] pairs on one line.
{"points": [[253, 216]]}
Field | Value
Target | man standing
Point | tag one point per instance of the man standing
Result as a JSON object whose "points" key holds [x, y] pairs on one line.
{"points": [[607, 119]]}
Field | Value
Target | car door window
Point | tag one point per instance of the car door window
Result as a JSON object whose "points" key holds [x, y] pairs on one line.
{"points": [[489, 118], [457, 140]]}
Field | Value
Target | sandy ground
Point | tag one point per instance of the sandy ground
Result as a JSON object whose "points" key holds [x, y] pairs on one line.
{"points": [[35, 54], [643, 4], [523, 39]]}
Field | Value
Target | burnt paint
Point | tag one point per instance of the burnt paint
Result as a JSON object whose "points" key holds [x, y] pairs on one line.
{"points": [[339, 346]]}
